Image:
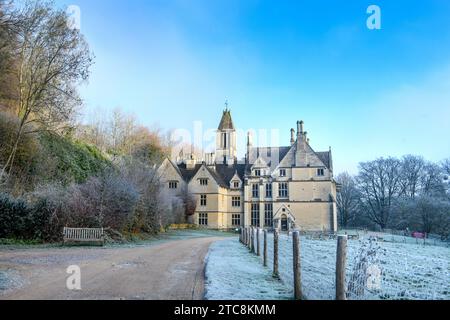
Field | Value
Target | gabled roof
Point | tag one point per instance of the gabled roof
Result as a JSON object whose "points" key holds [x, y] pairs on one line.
{"points": [[313, 158], [279, 213], [221, 173], [226, 173], [170, 162], [325, 157], [267, 154], [227, 122], [186, 173], [260, 163]]}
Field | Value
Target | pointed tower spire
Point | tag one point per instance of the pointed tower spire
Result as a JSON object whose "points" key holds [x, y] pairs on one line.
{"points": [[226, 139], [227, 122]]}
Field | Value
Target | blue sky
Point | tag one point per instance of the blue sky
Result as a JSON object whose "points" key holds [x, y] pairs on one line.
{"points": [[367, 93]]}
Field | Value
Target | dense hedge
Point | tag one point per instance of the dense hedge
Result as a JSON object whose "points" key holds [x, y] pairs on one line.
{"points": [[20, 220], [13, 217]]}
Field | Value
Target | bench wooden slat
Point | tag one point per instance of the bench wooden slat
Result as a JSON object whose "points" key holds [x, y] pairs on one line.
{"points": [[83, 235]]}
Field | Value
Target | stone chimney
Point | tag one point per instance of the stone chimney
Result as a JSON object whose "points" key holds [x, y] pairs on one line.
{"points": [[249, 146], [300, 127], [292, 137], [191, 161], [301, 157]]}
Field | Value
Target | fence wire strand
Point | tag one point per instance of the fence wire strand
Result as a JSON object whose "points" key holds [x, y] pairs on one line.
{"points": [[376, 268]]}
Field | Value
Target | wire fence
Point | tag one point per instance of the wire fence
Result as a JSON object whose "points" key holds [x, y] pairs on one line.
{"points": [[398, 236], [375, 268]]}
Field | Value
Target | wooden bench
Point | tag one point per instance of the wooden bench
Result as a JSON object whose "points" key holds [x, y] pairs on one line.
{"points": [[84, 236]]}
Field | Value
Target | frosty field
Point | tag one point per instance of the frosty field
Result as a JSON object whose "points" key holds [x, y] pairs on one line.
{"points": [[234, 274], [399, 271], [375, 270]]}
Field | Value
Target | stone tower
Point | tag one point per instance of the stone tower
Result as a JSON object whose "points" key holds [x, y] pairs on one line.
{"points": [[226, 149]]}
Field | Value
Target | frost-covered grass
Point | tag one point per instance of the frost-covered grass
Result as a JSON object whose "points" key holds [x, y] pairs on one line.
{"points": [[407, 270], [232, 273], [388, 237]]}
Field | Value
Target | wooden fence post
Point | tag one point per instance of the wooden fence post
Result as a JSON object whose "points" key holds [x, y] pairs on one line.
{"points": [[248, 237], [252, 240], [265, 248], [297, 269], [341, 261], [258, 246], [275, 254]]}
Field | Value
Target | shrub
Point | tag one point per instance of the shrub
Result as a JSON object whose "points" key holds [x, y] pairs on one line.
{"points": [[106, 201], [47, 226], [71, 161], [14, 218]]}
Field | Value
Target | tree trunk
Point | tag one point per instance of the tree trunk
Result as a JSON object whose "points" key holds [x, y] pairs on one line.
{"points": [[10, 161]]}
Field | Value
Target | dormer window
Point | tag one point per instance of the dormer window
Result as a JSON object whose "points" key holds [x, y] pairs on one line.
{"points": [[282, 172], [258, 173], [203, 182], [173, 184], [236, 184], [320, 172]]}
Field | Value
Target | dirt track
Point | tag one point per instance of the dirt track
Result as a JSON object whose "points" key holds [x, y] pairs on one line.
{"points": [[168, 271]]}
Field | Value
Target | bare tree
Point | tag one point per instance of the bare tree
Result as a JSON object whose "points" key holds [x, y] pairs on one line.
{"points": [[120, 134], [446, 170], [433, 181], [424, 213], [412, 172], [52, 60], [446, 166], [379, 184], [7, 61], [347, 199], [189, 203]]}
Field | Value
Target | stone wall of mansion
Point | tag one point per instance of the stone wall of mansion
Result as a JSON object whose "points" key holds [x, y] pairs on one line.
{"points": [[286, 188]]}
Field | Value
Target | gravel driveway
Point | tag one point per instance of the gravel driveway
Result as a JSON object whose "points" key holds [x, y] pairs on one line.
{"points": [[167, 271]]}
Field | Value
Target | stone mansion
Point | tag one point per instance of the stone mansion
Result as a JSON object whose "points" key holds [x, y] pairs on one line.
{"points": [[279, 187]]}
